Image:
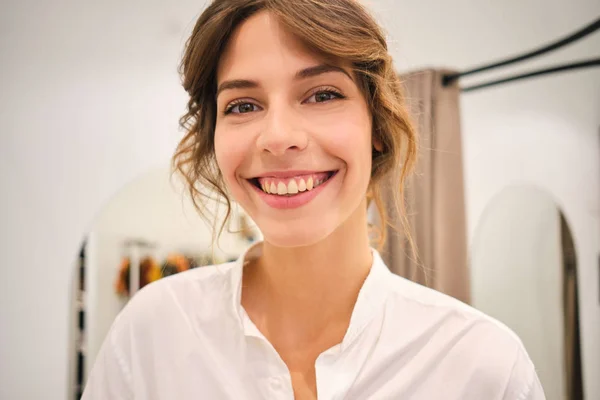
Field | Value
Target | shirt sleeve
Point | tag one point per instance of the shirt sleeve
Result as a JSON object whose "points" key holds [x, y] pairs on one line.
{"points": [[524, 383], [535, 390], [110, 377]]}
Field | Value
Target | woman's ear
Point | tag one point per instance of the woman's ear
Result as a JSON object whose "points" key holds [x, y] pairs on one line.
{"points": [[377, 144]]}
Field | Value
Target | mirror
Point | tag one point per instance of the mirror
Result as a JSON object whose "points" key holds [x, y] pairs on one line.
{"points": [[148, 231], [523, 271]]}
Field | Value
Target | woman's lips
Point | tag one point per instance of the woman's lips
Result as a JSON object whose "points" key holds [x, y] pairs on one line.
{"points": [[291, 192]]}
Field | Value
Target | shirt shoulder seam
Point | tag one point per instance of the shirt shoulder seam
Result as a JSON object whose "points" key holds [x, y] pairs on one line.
{"points": [[531, 381]]}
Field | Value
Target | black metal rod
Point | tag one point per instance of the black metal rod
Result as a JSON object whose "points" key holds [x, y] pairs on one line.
{"points": [[448, 79], [566, 67]]}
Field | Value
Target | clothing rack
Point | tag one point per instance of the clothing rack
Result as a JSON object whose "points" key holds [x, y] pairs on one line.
{"points": [[135, 249], [583, 32]]}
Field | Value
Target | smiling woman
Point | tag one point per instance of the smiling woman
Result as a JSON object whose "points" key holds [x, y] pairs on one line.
{"points": [[295, 112], [304, 120], [318, 34]]}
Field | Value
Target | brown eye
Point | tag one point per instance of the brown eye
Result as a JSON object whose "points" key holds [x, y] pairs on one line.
{"points": [[245, 107], [323, 96], [241, 108]]}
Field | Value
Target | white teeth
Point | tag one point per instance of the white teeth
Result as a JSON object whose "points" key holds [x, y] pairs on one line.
{"points": [[281, 188], [301, 185], [292, 187]]}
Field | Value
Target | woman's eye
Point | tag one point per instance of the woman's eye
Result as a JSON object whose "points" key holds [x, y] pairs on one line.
{"points": [[241, 108], [323, 96]]}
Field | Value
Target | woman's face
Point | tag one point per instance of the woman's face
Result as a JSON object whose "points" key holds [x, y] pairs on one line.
{"points": [[293, 135]]}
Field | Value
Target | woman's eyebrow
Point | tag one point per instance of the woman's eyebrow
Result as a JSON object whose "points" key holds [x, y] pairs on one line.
{"points": [[320, 69], [302, 74], [236, 84]]}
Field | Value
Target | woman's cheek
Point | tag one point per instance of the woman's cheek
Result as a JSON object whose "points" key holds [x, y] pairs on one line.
{"points": [[225, 156], [350, 138], [232, 147], [226, 148]]}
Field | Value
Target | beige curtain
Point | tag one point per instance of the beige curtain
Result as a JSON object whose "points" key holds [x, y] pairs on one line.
{"points": [[435, 194]]}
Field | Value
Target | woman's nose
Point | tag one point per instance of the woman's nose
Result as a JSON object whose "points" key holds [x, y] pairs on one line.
{"points": [[283, 131]]}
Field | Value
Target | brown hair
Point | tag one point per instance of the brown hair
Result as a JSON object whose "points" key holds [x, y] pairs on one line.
{"points": [[341, 29]]}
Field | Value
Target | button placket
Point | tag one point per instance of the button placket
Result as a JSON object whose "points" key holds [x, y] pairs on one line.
{"points": [[325, 368]]}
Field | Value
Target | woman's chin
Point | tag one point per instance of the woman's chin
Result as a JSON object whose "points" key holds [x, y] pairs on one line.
{"points": [[295, 236]]}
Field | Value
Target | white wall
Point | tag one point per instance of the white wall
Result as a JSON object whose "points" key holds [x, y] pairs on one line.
{"points": [[90, 99]]}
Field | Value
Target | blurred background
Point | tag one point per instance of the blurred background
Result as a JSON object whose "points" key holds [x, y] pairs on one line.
{"points": [[89, 106]]}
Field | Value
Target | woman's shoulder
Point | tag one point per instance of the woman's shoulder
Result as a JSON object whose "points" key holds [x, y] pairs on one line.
{"points": [[460, 333], [434, 304], [456, 335], [162, 322], [199, 292], [207, 279]]}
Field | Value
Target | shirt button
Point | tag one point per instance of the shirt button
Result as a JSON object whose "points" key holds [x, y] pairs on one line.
{"points": [[276, 382]]}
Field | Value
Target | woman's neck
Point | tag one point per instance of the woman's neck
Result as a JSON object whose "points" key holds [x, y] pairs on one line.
{"points": [[305, 289]]}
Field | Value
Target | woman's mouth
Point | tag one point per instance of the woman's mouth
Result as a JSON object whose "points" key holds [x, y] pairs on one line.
{"points": [[287, 192], [292, 186]]}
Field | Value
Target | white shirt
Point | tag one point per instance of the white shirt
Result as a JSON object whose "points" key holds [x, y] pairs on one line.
{"points": [[188, 337]]}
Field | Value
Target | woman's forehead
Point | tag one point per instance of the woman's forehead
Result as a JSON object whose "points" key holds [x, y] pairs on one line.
{"points": [[261, 43]]}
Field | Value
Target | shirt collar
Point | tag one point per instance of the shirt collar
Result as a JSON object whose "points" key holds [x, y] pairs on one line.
{"points": [[236, 284], [371, 297]]}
